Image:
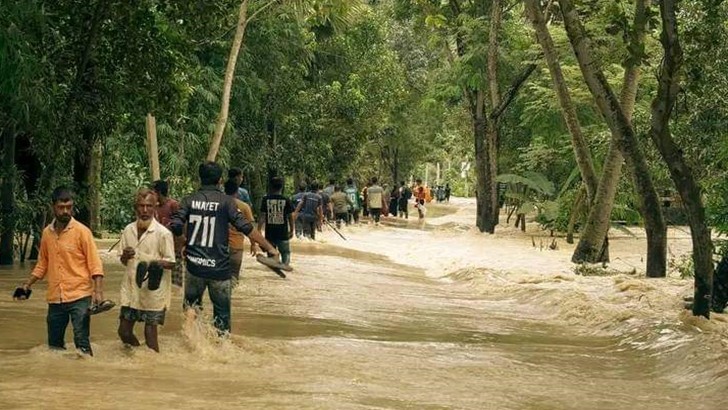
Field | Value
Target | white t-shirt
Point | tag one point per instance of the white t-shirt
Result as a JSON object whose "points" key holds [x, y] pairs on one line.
{"points": [[155, 244], [374, 196]]}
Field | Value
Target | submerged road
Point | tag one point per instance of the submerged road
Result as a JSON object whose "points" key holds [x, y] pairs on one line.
{"points": [[349, 330]]}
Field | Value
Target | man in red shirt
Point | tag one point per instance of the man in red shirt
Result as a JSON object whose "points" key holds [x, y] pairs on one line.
{"points": [[166, 207]]}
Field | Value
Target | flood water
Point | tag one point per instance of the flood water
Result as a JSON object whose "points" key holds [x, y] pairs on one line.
{"points": [[354, 330]]}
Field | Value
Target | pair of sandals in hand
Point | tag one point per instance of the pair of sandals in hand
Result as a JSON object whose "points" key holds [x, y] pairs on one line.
{"points": [[150, 272], [103, 306]]}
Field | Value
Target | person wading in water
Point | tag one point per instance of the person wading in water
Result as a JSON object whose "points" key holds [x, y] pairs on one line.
{"points": [[70, 262], [147, 249]]}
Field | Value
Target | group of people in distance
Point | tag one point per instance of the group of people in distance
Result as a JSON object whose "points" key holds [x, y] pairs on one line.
{"points": [[197, 243], [346, 204]]}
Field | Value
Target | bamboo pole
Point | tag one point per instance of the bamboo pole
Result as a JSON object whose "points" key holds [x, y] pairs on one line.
{"points": [[152, 147]]}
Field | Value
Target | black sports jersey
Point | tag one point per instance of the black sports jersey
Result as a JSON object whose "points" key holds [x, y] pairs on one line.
{"points": [[276, 210], [207, 214]]}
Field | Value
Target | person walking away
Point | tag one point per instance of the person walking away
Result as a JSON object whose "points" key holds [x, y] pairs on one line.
{"points": [[236, 174], [447, 192], [295, 200], [311, 210], [325, 205], [70, 263], [330, 188], [353, 194], [146, 249], [276, 216], [236, 240], [394, 200], [386, 196], [365, 201], [341, 204], [404, 197], [166, 207], [420, 195], [207, 214], [375, 195]]}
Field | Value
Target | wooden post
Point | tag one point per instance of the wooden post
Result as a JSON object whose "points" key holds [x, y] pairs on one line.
{"points": [[152, 148]]}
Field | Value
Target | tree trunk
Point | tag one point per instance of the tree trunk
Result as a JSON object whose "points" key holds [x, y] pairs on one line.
{"points": [[623, 136], [94, 187], [593, 244], [228, 83], [575, 213], [7, 197], [81, 178], [680, 172], [490, 188], [271, 165], [483, 208], [568, 111], [395, 168]]}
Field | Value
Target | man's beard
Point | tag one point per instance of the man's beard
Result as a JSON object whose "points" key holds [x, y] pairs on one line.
{"points": [[143, 224], [64, 219]]}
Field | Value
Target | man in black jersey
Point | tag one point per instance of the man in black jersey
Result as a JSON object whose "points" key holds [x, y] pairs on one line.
{"points": [[207, 213], [276, 215]]}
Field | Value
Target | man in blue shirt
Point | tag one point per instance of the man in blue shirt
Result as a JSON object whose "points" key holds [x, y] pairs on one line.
{"points": [[236, 174]]}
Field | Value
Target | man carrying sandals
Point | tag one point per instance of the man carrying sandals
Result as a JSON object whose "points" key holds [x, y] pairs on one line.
{"points": [[147, 248], [70, 263]]}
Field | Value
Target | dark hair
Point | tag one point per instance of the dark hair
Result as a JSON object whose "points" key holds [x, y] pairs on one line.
{"points": [[337, 188], [210, 173], [231, 187], [302, 187], [332, 181], [401, 183], [61, 194], [276, 183], [234, 172], [161, 187], [418, 180], [349, 181], [374, 180], [314, 186]]}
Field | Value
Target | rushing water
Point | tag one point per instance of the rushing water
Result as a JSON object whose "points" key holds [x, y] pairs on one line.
{"points": [[354, 330]]}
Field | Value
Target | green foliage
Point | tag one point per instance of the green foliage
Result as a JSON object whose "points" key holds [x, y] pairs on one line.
{"points": [[683, 265]]}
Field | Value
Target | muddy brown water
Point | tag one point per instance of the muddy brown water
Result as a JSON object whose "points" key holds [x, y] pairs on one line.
{"points": [[349, 330]]}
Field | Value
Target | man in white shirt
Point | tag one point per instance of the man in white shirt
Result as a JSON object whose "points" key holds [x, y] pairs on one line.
{"points": [[147, 248], [375, 198]]}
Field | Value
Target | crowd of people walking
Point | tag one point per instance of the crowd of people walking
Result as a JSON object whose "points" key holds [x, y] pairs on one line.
{"points": [[196, 243]]}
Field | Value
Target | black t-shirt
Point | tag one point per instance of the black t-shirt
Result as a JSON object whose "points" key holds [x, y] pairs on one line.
{"points": [[276, 210], [208, 213]]}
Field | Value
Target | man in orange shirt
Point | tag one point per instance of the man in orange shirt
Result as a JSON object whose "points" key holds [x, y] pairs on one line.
{"points": [[70, 263]]}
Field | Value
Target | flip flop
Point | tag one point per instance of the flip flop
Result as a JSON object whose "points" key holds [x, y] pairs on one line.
{"points": [[21, 294], [155, 275], [272, 264], [101, 307], [141, 273]]}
